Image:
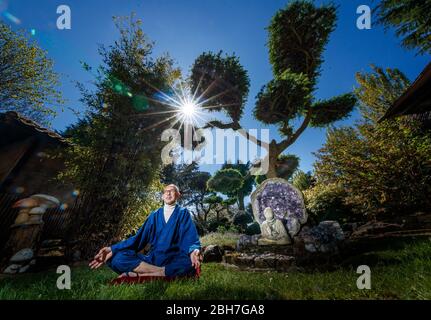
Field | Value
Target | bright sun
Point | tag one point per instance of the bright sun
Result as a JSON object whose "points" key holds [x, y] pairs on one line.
{"points": [[188, 109]]}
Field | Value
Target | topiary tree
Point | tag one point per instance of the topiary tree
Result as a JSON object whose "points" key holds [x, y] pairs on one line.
{"points": [[227, 181], [218, 213], [298, 35], [234, 181]]}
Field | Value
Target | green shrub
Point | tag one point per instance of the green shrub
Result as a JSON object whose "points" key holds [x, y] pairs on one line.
{"points": [[326, 202], [241, 220], [253, 229]]}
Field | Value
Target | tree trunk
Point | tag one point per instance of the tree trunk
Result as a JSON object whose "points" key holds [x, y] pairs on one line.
{"points": [[272, 165], [241, 202]]}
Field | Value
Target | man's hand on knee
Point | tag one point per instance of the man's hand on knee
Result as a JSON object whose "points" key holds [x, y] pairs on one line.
{"points": [[101, 257]]}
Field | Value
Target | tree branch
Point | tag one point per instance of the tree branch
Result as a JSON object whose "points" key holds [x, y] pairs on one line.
{"points": [[281, 146], [235, 126]]}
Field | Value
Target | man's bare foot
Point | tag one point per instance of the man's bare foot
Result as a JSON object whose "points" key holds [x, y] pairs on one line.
{"points": [[152, 274], [130, 274]]}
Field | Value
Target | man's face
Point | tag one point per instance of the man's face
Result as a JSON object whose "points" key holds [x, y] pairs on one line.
{"points": [[170, 195]]}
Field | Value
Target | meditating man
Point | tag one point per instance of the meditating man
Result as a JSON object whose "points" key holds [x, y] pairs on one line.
{"points": [[173, 239]]}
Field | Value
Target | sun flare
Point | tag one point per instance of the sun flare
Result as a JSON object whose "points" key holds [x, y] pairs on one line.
{"points": [[188, 109]]}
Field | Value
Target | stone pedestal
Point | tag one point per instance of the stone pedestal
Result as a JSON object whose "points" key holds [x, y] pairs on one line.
{"points": [[260, 261]]}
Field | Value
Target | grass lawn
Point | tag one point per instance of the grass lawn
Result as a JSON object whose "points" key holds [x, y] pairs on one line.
{"points": [[402, 273]]}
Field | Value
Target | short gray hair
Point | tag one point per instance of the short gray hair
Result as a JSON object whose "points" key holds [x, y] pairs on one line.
{"points": [[175, 186]]}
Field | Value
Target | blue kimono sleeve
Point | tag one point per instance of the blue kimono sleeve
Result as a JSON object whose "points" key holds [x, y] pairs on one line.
{"points": [[139, 240], [190, 238]]}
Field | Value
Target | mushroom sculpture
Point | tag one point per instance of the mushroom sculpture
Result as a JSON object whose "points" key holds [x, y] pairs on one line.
{"points": [[25, 232], [33, 208]]}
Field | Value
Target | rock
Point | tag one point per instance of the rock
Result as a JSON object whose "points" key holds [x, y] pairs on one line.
{"points": [[332, 228], [246, 241], [261, 262], [52, 252], [24, 269], [51, 243], [213, 253], [293, 226], [12, 269], [22, 256], [244, 260], [284, 199], [324, 238], [265, 261], [284, 263]]}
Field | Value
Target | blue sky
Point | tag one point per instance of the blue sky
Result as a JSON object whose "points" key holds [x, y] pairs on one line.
{"points": [[186, 28]]}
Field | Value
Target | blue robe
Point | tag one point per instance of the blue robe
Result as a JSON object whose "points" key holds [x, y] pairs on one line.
{"points": [[171, 244]]}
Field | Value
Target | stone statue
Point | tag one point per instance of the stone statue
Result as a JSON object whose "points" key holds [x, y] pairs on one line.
{"points": [[272, 230], [285, 201]]}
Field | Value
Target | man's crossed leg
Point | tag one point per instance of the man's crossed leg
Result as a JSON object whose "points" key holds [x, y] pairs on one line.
{"points": [[146, 269], [131, 263]]}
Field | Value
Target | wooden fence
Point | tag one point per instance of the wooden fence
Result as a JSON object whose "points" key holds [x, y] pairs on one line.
{"points": [[58, 222]]}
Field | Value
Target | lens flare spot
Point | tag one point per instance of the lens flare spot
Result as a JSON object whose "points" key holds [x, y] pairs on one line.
{"points": [[11, 17], [140, 102], [19, 190]]}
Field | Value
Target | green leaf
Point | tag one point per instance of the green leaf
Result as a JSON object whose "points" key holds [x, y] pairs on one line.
{"points": [[283, 98], [221, 81], [226, 181], [297, 37], [327, 111]]}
